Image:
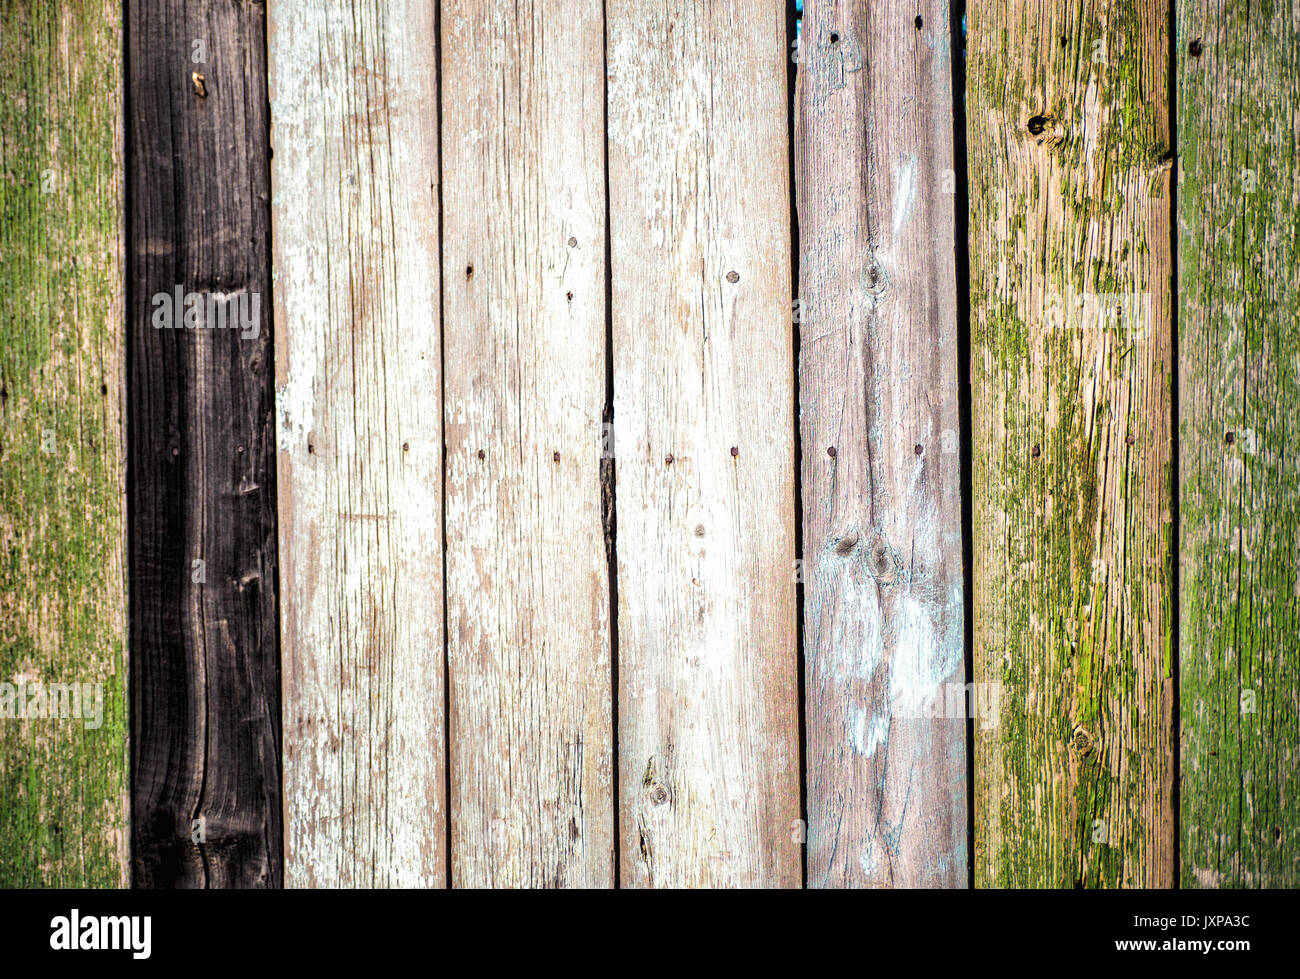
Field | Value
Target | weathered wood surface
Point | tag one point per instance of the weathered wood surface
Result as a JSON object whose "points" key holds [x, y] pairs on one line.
{"points": [[205, 678], [881, 465], [703, 443], [1239, 437], [359, 411], [528, 629], [63, 778], [1068, 143]]}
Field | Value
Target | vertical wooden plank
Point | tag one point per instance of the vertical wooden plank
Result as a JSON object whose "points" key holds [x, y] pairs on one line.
{"points": [[1239, 436], [700, 259], [881, 463], [63, 775], [1068, 147], [205, 675], [359, 415], [527, 580]]}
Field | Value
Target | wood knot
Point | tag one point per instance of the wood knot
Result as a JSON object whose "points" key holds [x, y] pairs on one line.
{"points": [[882, 562], [874, 280], [658, 796], [1081, 742], [846, 543], [199, 81]]}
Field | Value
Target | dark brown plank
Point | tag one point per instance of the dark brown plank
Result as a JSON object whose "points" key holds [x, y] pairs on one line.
{"points": [[205, 731]]}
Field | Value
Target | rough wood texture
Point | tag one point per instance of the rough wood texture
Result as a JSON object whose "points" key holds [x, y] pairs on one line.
{"points": [[1068, 143], [523, 138], [1239, 436], [883, 598], [63, 779], [205, 681], [700, 229], [359, 410]]}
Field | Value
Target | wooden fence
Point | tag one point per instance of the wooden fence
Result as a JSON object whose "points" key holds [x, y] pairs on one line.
{"points": [[643, 444]]}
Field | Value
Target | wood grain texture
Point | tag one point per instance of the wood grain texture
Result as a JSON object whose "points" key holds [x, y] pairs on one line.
{"points": [[700, 231], [63, 772], [1239, 436], [523, 143], [359, 412], [1068, 143], [205, 672], [881, 469]]}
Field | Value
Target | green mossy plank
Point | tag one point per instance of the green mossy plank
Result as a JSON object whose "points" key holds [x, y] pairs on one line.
{"points": [[1068, 143], [1238, 83], [63, 780]]}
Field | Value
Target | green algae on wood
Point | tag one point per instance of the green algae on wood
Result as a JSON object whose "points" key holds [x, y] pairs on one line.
{"points": [[63, 779], [1239, 435], [1068, 138]]}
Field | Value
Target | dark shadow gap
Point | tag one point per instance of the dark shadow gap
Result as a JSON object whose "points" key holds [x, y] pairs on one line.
{"points": [[607, 471], [961, 242], [129, 354], [792, 71], [273, 455], [1175, 481], [442, 381]]}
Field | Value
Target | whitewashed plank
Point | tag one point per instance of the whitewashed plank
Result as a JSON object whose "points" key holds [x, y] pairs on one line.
{"points": [[527, 581], [703, 375], [355, 228]]}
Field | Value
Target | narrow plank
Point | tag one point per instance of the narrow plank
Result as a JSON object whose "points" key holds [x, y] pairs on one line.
{"points": [[703, 442], [1068, 145], [359, 414], [881, 463], [63, 762], [205, 676], [523, 144], [1239, 436]]}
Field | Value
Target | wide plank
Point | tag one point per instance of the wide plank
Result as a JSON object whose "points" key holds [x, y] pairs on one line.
{"points": [[353, 90], [703, 443], [205, 730], [528, 627], [1069, 145], [1239, 437], [63, 739], [881, 465]]}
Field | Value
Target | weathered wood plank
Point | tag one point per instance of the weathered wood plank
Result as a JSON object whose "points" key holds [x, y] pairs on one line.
{"points": [[523, 143], [1239, 436], [881, 467], [700, 230], [63, 771], [205, 675], [1068, 143], [359, 411]]}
